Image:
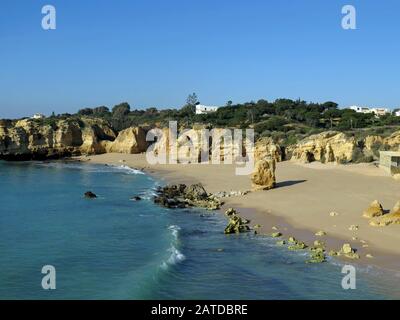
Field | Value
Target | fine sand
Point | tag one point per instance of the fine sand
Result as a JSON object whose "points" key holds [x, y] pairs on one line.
{"points": [[302, 202]]}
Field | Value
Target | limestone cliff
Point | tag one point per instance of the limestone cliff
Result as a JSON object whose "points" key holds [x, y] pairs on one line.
{"points": [[32, 139], [325, 147]]}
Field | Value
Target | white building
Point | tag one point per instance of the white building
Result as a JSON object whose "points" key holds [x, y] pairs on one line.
{"points": [[202, 109], [38, 116], [380, 111], [360, 109], [377, 111], [397, 113]]}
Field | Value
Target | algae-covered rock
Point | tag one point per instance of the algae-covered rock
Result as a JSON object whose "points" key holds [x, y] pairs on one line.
{"points": [[375, 209], [276, 235], [236, 224], [181, 196], [348, 252], [317, 256], [298, 246], [347, 248], [230, 212], [292, 240], [281, 243]]}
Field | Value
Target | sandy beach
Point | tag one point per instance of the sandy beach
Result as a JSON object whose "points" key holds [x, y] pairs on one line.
{"points": [[302, 202]]}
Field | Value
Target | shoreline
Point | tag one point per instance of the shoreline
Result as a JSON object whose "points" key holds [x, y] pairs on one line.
{"points": [[254, 207]]}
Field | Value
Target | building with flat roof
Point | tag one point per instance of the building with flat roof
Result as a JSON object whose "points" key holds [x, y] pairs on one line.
{"points": [[202, 109]]}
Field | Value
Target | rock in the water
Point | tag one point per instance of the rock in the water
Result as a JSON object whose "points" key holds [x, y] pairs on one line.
{"points": [[236, 224], [375, 209], [392, 218], [136, 198], [281, 243], [317, 256], [196, 192], [90, 195], [276, 235], [181, 196], [263, 177]]}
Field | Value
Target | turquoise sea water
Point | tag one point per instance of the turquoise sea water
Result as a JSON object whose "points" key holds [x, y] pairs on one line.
{"points": [[114, 248]]}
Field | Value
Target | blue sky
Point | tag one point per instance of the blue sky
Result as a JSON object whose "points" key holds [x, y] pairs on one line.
{"points": [[156, 52]]}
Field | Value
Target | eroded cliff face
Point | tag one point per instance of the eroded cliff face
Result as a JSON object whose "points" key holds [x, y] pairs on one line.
{"points": [[336, 147], [325, 147], [31, 139]]}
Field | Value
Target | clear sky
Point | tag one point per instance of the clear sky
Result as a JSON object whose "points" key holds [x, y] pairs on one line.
{"points": [[156, 52]]}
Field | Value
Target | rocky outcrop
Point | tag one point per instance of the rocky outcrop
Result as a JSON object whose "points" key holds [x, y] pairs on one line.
{"points": [[32, 139], [56, 138], [391, 218], [182, 196], [129, 141], [375, 209], [325, 147], [236, 223], [266, 148], [263, 177]]}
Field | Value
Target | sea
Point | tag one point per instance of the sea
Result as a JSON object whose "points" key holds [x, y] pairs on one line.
{"points": [[114, 248]]}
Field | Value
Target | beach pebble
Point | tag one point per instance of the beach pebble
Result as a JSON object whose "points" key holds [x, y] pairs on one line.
{"points": [[320, 233], [354, 238], [369, 255], [353, 227], [333, 214], [365, 246], [274, 228]]}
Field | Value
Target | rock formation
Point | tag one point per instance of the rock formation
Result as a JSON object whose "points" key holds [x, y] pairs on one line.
{"points": [[32, 139], [182, 196], [329, 146], [129, 141], [236, 223], [375, 209], [266, 148], [263, 177], [391, 218]]}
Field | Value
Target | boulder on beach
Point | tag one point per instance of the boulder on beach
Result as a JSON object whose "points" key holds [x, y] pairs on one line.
{"points": [[89, 195], [263, 177], [375, 209], [392, 218]]}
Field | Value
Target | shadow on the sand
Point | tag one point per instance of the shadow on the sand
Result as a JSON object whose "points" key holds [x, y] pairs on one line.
{"points": [[288, 183]]}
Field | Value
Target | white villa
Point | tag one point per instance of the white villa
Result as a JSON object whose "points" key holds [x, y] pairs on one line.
{"points": [[202, 109], [377, 111], [38, 116]]}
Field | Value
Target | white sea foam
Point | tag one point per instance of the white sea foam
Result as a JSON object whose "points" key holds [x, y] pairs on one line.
{"points": [[128, 169], [175, 255]]}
